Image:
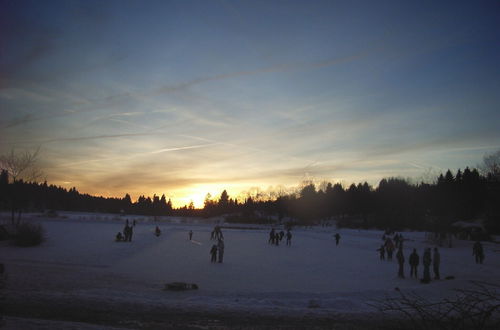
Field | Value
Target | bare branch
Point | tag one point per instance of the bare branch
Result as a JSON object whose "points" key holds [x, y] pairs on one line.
{"points": [[476, 308], [21, 165]]}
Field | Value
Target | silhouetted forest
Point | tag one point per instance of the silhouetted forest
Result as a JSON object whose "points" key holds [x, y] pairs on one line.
{"points": [[395, 203]]}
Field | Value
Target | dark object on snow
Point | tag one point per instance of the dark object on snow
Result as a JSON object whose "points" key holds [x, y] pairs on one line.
{"points": [[401, 261], [337, 238], [119, 237], [28, 234], [478, 252], [427, 260], [220, 249], [451, 277], [414, 261], [180, 286], [436, 260], [127, 232], [213, 253]]}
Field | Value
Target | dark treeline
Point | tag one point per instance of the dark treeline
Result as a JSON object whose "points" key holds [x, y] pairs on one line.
{"points": [[395, 203], [27, 196]]}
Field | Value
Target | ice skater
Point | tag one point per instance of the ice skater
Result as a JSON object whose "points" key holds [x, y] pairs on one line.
{"points": [[190, 235]]}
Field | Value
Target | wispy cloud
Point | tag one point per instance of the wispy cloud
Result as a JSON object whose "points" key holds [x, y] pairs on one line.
{"points": [[183, 148], [270, 69]]}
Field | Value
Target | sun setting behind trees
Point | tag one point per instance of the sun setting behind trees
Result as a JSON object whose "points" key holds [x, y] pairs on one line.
{"points": [[139, 140], [186, 99]]}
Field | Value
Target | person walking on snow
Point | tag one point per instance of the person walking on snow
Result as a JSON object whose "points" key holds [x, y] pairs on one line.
{"points": [[220, 247], [478, 252], [337, 239], [427, 260], [401, 261], [213, 253], [288, 237], [271, 236], [414, 261], [127, 232], [389, 247], [436, 260]]}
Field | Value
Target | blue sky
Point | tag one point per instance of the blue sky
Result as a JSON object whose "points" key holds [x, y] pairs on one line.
{"points": [[190, 97]]}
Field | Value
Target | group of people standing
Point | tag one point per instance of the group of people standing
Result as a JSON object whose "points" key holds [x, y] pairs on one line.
{"points": [[275, 238], [390, 245], [396, 242], [128, 231], [428, 258]]}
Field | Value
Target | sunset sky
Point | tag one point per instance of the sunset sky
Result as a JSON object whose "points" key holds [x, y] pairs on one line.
{"points": [[183, 98]]}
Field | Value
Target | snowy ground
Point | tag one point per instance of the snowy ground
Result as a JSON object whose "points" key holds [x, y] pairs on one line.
{"points": [[312, 278]]}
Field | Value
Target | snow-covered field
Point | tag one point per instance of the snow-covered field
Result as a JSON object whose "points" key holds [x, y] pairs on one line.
{"points": [[81, 260]]}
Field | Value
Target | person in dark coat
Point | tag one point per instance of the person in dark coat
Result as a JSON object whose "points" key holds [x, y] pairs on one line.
{"points": [[389, 248], [288, 237], [213, 253], [220, 248], [381, 250], [190, 235], [119, 237], [414, 261], [436, 260], [401, 261], [271, 236], [337, 238], [282, 233], [130, 232], [427, 260], [157, 231], [478, 252], [126, 232]]}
